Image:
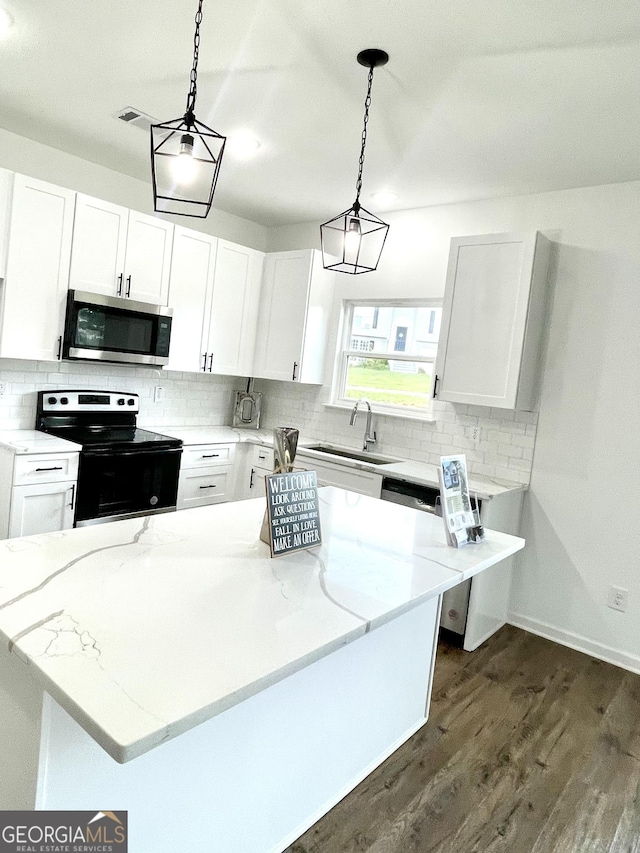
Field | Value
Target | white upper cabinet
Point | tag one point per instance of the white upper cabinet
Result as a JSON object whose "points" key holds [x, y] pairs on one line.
{"points": [[191, 286], [37, 270], [119, 252], [214, 293], [294, 317], [233, 316], [492, 320]]}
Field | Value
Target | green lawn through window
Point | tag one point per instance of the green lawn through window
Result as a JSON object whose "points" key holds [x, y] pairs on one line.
{"points": [[389, 386]]}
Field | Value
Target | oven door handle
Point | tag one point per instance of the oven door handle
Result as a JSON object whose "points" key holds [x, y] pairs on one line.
{"points": [[111, 453]]}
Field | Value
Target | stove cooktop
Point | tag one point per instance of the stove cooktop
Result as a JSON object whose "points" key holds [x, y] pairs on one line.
{"points": [[115, 438]]}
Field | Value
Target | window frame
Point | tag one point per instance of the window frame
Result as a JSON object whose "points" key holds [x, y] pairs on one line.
{"points": [[344, 351]]}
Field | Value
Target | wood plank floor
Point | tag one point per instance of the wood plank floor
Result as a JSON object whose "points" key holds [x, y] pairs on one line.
{"points": [[530, 748]]}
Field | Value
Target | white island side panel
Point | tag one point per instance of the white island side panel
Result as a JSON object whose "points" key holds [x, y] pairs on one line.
{"points": [[255, 777]]}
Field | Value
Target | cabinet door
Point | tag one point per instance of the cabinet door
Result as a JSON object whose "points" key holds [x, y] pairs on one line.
{"points": [[484, 319], [99, 241], [148, 258], [192, 268], [37, 273], [283, 314], [43, 508], [234, 309]]}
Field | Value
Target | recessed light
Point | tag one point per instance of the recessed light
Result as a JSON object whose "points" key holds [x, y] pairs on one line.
{"points": [[6, 22], [384, 198], [242, 144]]}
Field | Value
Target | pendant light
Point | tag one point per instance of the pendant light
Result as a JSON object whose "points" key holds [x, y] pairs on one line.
{"points": [[352, 241], [186, 155]]}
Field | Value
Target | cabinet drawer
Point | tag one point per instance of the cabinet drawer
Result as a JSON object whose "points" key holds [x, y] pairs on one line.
{"points": [[45, 468], [207, 455], [262, 457], [197, 487]]}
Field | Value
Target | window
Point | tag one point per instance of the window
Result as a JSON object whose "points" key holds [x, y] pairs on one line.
{"points": [[393, 365], [362, 344]]}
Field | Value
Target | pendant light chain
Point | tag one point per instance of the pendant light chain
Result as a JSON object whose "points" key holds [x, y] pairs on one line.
{"points": [[367, 104], [193, 77]]}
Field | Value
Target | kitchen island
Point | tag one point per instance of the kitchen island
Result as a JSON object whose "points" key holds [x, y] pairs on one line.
{"points": [[168, 666]]}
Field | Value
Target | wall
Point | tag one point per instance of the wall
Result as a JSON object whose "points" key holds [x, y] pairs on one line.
{"points": [[191, 399], [581, 511], [19, 154]]}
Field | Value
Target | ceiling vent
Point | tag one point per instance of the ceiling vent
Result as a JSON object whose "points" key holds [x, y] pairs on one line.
{"points": [[136, 118]]}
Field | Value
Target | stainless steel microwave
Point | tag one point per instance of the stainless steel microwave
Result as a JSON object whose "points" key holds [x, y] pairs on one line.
{"points": [[108, 328]]}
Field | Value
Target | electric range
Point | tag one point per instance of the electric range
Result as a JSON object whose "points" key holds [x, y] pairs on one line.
{"points": [[124, 471]]}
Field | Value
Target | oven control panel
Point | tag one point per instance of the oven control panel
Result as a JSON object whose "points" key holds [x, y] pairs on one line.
{"points": [[88, 401]]}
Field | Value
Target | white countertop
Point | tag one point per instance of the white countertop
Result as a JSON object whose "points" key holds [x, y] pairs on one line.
{"points": [[142, 629], [21, 441]]}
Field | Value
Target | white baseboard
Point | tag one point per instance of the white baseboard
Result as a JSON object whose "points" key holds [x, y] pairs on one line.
{"points": [[577, 642]]}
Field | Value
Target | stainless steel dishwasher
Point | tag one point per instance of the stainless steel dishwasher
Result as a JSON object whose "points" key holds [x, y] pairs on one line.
{"points": [[455, 602]]}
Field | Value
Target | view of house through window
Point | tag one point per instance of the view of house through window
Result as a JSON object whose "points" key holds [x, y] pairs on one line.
{"points": [[388, 354]]}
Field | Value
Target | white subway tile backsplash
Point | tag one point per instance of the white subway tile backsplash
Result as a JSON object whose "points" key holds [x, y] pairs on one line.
{"points": [[504, 449], [504, 436], [192, 399]]}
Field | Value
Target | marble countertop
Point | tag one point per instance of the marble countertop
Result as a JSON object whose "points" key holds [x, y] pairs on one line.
{"points": [[144, 628], [23, 441], [421, 473]]}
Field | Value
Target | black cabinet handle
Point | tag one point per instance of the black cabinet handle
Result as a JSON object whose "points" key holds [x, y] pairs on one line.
{"points": [[120, 283], [73, 496], [436, 379], [54, 468], [128, 285], [210, 455], [251, 479], [59, 347], [204, 360], [207, 487], [211, 363], [295, 369], [261, 457]]}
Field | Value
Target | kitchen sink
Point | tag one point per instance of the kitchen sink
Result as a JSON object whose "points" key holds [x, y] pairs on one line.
{"points": [[347, 453]]}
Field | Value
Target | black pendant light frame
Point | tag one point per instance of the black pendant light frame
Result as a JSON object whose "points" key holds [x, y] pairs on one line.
{"points": [[343, 237], [186, 135]]}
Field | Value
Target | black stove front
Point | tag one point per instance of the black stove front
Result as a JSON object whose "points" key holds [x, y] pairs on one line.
{"points": [[124, 471]]}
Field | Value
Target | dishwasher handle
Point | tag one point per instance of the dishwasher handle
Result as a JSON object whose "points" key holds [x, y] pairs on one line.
{"points": [[421, 497]]}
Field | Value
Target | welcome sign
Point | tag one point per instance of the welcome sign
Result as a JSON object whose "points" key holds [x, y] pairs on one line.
{"points": [[292, 512]]}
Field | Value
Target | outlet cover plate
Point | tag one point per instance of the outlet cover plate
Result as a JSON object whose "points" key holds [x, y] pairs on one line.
{"points": [[618, 598]]}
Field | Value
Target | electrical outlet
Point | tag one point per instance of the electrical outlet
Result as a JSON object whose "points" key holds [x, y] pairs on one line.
{"points": [[473, 434], [158, 394], [3, 389], [618, 598]]}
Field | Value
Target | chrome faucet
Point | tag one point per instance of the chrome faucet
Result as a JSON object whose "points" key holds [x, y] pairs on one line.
{"points": [[369, 436]]}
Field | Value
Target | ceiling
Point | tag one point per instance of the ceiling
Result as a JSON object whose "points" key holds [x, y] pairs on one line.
{"points": [[479, 99]]}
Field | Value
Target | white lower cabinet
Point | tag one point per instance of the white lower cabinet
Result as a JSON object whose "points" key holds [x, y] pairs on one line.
{"points": [[207, 475], [41, 508], [258, 464], [37, 492], [353, 479]]}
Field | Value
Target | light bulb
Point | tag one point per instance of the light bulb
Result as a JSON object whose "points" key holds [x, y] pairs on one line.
{"points": [[352, 238], [184, 166]]}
